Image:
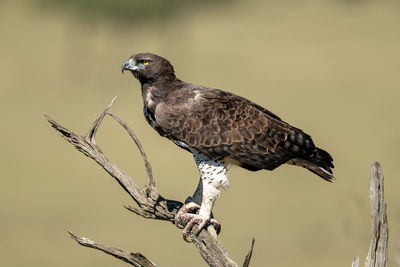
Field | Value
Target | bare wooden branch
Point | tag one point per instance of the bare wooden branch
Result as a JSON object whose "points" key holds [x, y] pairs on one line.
{"points": [[91, 150], [356, 261], [136, 259], [248, 256], [90, 136], [149, 171], [378, 247], [140, 212], [212, 251], [151, 204]]}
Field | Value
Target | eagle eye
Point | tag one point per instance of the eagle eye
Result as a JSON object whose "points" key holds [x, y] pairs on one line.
{"points": [[145, 62]]}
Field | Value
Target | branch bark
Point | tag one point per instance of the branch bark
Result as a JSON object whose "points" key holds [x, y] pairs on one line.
{"points": [[378, 247], [151, 205], [136, 259]]}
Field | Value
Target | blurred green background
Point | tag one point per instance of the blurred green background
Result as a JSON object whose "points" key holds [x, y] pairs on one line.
{"points": [[331, 68]]}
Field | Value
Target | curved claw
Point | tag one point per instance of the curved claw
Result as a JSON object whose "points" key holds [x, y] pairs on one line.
{"points": [[202, 223], [184, 214], [216, 224], [196, 219]]}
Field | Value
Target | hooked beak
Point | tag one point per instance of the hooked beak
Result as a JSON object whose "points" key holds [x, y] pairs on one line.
{"points": [[130, 64]]}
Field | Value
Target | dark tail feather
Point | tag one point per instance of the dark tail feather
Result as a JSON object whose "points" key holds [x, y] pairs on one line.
{"points": [[320, 164]]}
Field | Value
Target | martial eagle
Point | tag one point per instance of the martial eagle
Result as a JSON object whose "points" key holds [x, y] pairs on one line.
{"points": [[219, 128]]}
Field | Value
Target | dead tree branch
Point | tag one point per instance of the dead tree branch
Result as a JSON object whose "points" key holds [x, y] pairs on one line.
{"points": [[136, 259], [356, 261], [248, 256], [378, 247], [151, 205]]}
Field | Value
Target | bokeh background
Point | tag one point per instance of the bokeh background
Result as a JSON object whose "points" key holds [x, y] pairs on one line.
{"points": [[329, 67]]}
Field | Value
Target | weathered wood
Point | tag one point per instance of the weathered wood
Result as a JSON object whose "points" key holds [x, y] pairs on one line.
{"points": [[136, 259], [378, 247], [151, 205], [248, 256], [151, 182], [356, 261]]}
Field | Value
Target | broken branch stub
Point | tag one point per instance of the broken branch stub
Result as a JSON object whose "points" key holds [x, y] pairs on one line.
{"points": [[378, 248]]}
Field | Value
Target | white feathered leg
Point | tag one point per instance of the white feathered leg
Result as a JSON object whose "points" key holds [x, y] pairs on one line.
{"points": [[214, 178]]}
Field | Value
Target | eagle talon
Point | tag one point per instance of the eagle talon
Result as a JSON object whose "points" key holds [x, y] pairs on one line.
{"points": [[202, 223], [187, 217], [196, 219], [185, 213]]}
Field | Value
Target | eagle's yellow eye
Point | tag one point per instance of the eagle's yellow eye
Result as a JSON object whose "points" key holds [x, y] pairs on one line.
{"points": [[145, 62]]}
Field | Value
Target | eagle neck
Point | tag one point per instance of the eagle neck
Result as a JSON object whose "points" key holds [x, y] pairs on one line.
{"points": [[153, 92]]}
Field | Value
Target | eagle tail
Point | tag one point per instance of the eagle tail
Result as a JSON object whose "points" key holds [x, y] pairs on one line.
{"points": [[320, 164]]}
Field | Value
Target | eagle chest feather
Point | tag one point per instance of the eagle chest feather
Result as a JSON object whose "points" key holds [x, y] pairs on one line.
{"points": [[151, 99]]}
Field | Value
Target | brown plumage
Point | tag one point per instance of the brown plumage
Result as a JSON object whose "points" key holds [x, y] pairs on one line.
{"points": [[219, 124], [218, 127]]}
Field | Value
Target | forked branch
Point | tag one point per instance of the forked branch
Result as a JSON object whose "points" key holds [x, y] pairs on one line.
{"points": [[151, 205]]}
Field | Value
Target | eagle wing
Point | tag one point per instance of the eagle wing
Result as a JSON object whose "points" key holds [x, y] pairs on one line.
{"points": [[222, 125]]}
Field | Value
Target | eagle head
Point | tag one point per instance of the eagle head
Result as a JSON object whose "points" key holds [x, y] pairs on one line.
{"points": [[147, 67]]}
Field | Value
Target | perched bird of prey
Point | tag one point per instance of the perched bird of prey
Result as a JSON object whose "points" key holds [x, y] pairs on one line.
{"points": [[219, 128]]}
